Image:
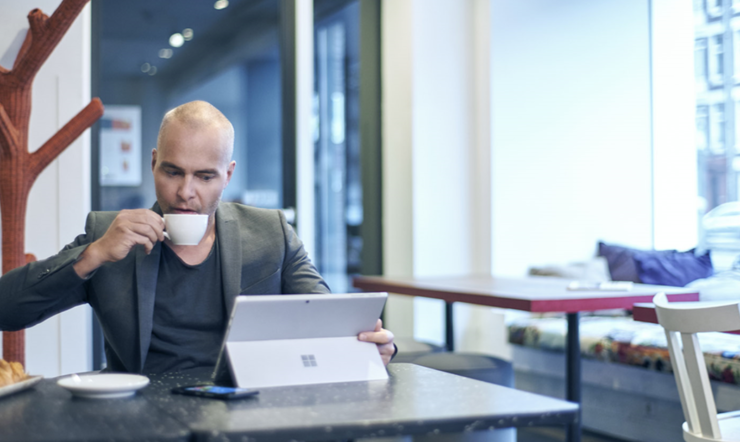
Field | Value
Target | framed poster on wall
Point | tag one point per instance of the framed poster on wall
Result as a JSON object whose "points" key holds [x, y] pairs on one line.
{"points": [[120, 146]]}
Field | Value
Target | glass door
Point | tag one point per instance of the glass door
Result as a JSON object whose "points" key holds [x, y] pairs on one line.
{"points": [[338, 186]]}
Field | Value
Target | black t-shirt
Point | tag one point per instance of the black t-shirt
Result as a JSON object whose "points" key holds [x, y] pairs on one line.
{"points": [[189, 314]]}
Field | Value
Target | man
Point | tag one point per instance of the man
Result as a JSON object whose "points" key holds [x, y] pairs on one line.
{"points": [[162, 306]]}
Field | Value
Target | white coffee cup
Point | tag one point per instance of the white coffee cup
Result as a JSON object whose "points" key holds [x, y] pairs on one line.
{"points": [[185, 230]]}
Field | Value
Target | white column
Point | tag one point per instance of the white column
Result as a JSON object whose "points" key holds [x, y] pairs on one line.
{"points": [[674, 127], [304, 114], [433, 155], [397, 68]]}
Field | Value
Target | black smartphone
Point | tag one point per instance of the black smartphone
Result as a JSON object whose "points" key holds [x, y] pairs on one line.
{"points": [[216, 391]]}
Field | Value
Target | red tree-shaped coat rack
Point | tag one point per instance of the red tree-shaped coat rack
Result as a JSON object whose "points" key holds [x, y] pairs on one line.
{"points": [[19, 168]]}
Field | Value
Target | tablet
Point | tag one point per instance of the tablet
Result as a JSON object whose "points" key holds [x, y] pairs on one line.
{"points": [[270, 338]]}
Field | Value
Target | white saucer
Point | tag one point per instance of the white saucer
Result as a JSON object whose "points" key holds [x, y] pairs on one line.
{"points": [[18, 386], [103, 385]]}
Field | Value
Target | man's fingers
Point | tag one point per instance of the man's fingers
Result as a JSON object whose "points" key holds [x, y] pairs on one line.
{"points": [[387, 349], [147, 218], [133, 230], [375, 337], [386, 352], [381, 337], [139, 222], [148, 230], [131, 227], [145, 241], [141, 216]]}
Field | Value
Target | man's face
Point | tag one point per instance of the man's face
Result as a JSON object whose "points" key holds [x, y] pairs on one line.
{"points": [[191, 169]]}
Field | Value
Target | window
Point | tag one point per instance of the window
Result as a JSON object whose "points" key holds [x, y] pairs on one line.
{"points": [[716, 59], [700, 64], [714, 8], [717, 128], [700, 17], [717, 76], [339, 211], [702, 127], [736, 48]]}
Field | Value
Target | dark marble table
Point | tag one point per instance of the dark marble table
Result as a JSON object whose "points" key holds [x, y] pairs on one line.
{"points": [[415, 400], [47, 412]]}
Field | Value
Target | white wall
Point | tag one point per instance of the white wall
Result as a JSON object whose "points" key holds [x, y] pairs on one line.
{"points": [[60, 198]]}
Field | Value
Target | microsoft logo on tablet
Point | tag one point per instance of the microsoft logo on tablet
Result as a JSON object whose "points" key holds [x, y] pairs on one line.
{"points": [[309, 360]]}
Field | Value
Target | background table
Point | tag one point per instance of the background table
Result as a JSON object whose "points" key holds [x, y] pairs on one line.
{"points": [[534, 294], [415, 400], [645, 312]]}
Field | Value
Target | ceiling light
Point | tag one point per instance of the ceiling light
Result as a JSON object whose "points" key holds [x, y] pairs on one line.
{"points": [[187, 34], [145, 67], [165, 53], [221, 4], [152, 71], [176, 40]]}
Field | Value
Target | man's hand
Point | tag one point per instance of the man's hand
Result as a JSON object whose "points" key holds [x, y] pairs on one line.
{"points": [[384, 340], [131, 227]]}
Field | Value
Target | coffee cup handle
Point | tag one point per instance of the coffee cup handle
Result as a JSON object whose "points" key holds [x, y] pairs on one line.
{"points": [[166, 235]]}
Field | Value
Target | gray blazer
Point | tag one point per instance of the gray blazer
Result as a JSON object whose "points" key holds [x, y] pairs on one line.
{"points": [[260, 254]]}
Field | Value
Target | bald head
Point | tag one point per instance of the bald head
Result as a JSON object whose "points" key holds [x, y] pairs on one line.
{"points": [[192, 162], [199, 115]]}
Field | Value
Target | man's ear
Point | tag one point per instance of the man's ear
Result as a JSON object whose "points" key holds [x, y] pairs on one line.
{"points": [[230, 172], [154, 158]]}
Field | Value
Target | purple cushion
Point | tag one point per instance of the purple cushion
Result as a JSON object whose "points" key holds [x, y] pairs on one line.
{"points": [[620, 261], [672, 267]]}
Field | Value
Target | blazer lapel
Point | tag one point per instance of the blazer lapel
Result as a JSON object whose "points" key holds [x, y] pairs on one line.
{"points": [[147, 269], [229, 243]]}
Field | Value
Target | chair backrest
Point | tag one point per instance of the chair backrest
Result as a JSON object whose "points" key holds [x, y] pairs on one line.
{"points": [[681, 321]]}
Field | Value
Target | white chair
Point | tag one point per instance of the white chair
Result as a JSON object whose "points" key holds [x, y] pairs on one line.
{"points": [[687, 319]]}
